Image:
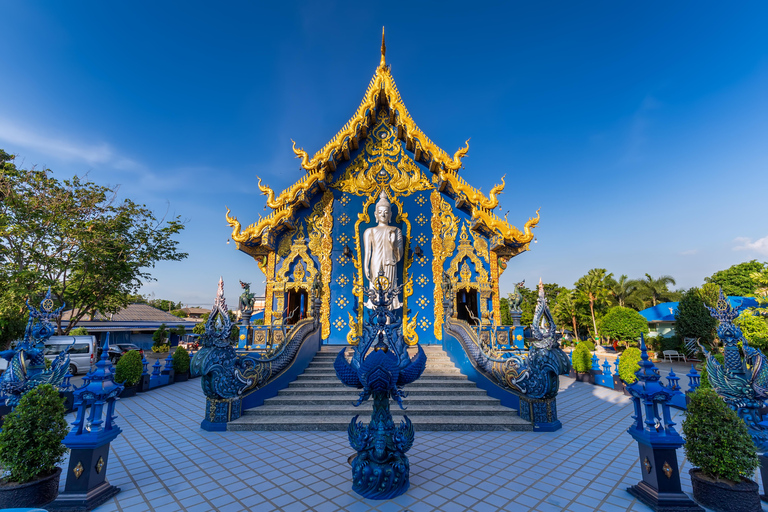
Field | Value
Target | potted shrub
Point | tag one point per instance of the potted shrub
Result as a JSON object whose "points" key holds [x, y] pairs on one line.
{"points": [[30, 448], [629, 363], [582, 362], [721, 450], [181, 364], [128, 372]]}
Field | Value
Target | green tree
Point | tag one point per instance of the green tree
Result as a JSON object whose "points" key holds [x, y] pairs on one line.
{"points": [[566, 311], [179, 313], [710, 292], [199, 328], [505, 319], [737, 280], [656, 290], [160, 335], [75, 237], [528, 305], [624, 292], [692, 319], [593, 289], [623, 324], [754, 328], [165, 305]]}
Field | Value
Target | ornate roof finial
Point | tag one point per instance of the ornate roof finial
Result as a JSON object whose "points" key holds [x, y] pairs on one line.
{"points": [[383, 62]]}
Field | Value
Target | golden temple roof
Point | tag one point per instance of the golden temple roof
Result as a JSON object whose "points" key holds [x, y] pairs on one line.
{"points": [[382, 93]]}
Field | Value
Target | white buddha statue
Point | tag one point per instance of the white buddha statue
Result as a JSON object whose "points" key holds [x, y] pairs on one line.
{"points": [[383, 249]]}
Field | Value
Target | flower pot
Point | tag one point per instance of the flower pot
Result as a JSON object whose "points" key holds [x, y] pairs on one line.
{"points": [[723, 496], [585, 377], [31, 494], [128, 391], [181, 377], [572, 373]]}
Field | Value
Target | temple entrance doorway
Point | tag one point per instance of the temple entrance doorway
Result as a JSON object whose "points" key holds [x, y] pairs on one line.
{"points": [[297, 306], [466, 303]]}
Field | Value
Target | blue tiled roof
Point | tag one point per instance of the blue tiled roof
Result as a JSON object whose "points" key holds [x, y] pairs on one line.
{"points": [[665, 312]]}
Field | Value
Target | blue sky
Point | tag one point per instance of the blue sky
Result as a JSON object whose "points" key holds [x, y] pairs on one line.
{"points": [[640, 129]]}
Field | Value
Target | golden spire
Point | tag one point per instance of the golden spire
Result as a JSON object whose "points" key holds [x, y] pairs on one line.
{"points": [[383, 62]]}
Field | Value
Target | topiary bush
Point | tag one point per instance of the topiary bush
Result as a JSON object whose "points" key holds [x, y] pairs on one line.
{"points": [[160, 349], [716, 439], [30, 442], [129, 368], [589, 344], [582, 357], [181, 360], [623, 324], [629, 363]]}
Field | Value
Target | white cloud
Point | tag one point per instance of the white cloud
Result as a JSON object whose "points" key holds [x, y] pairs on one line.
{"points": [[759, 246]]}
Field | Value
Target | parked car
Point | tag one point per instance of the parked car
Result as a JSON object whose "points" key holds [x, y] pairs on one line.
{"points": [[116, 351], [190, 343], [81, 356]]}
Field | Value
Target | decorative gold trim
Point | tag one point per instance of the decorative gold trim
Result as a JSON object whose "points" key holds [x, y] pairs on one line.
{"points": [[320, 224], [667, 469], [481, 283], [99, 465], [269, 293], [444, 230], [78, 470], [495, 291], [647, 465], [474, 196], [509, 233], [358, 284]]}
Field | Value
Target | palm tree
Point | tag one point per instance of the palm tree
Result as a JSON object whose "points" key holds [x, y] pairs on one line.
{"points": [[594, 288], [624, 292], [566, 310], [656, 290]]}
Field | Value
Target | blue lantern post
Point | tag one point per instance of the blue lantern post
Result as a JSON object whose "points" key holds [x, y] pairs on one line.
{"points": [[657, 440], [89, 440]]}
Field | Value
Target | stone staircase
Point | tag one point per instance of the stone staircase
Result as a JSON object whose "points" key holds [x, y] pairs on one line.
{"points": [[441, 400]]}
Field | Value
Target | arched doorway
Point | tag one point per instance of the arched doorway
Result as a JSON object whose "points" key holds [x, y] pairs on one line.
{"points": [[297, 305], [466, 306]]}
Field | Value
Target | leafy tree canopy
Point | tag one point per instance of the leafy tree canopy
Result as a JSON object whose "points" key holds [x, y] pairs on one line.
{"points": [[738, 280], [656, 290], [623, 324], [593, 291], [692, 319], [75, 237], [754, 328]]}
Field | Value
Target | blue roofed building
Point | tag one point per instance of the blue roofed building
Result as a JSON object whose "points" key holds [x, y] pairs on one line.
{"points": [[661, 317]]}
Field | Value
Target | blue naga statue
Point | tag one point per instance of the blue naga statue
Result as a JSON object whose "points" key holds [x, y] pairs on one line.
{"points": [[381, 366], [535, 375], [743, 384], [26, 363], [224, 375]]}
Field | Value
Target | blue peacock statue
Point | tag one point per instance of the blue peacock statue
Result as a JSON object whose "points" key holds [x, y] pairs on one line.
{"points": [[742, 383], [380, 367]]}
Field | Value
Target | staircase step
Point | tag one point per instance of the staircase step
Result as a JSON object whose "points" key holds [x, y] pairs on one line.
{"points": [[324, 400], [342, 390], [420, 424], [336, 383], [349, 410]]}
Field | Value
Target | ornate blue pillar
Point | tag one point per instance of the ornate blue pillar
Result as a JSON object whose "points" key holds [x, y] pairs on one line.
{"points": [[89, 440], [657, 441]]}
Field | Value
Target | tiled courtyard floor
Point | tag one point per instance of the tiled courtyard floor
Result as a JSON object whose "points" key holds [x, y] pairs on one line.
{"points": [[163, 461]]}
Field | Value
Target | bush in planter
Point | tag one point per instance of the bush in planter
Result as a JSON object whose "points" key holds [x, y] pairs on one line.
{"points": [[582, 357], [30, 442], [629, 364], [716, 439], [181, 360], [160, 349], [129, 368]]}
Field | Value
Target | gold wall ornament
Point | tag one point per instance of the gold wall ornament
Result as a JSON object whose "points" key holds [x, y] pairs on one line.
{"points": [[99, 465], [284, 247], [261, 262], [78, 470], [667, 469], [495, 274], [357, 261], [444, 229], [481, 245], [320, 224], [269, 292], [410, 335], [353, 336], [302, 279], [383, 163]]}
